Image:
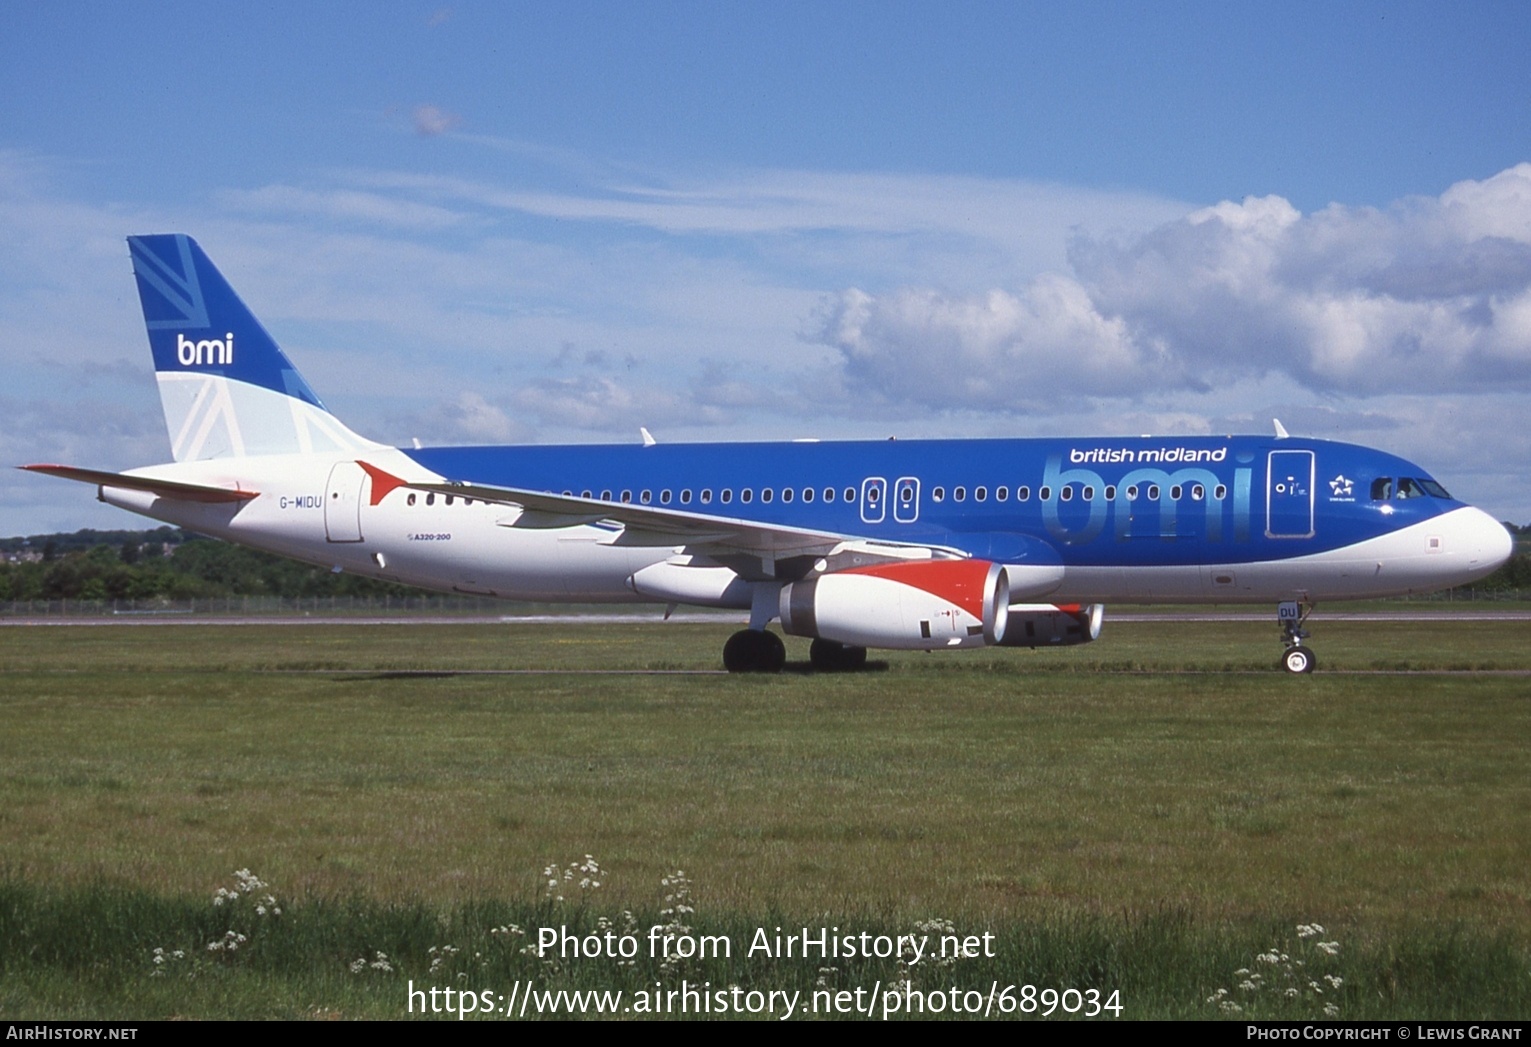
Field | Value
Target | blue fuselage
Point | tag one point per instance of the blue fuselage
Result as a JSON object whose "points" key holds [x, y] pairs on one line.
{"points": [[1106, 502]]}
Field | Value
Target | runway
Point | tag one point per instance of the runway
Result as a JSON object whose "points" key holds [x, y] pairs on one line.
{"points": [[1119, 617]]}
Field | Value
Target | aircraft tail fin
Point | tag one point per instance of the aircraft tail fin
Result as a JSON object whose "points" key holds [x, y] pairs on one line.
{"points": [[227, 388]]}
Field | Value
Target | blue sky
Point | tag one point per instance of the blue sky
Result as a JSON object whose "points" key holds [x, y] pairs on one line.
{"points": [[547, 222]]}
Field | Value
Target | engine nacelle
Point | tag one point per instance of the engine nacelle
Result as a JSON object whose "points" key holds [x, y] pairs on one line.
{"points": [[920, 605], [1051, 625]]}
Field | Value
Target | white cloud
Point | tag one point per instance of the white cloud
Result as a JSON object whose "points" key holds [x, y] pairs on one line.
{"points": [[992, 351], [599, 403], [432, 120], [1430, 295], [346, 205]]}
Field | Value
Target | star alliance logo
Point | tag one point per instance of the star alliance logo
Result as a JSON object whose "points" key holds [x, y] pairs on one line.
{"points": [[1341, 487]]}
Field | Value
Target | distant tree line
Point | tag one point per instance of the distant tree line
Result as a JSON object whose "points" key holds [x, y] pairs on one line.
{"points": [[167, 563]]}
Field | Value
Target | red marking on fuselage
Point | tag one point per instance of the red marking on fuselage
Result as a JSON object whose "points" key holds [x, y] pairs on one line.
{"points": [[382, 482]]}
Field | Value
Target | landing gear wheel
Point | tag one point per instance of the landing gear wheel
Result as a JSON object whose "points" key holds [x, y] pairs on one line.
{"points": [[830, 656], [1298, 660], [754, 651], [1293, 614]]}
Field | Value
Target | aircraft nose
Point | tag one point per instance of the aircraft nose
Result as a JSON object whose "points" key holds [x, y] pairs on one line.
{"points": [[1483, 540]]}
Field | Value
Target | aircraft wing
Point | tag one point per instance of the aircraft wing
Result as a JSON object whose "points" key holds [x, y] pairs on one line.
{"points": [[183, 492], [752, 547]]}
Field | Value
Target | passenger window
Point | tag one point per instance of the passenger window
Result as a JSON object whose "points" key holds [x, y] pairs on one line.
{"points": [[829, 494], [627, 497], [706, 495], [1089, 493], [584, 494], [646, 497], [980, 494], [605, 496], [664, 496], [960, 493], [1023, 493], [449, 498], [850, 494], [1221, 492], [1175, 493], [411, 499], [808, 494], [1067, 493], [685, 496], [1045, 493], [1198, 492], [765, 494], [746, 494], [430, 499], [725, 496], [938, 494], [1132, 492], [1153, 492], [1111, 492], [786, 494], [1001, 493]]}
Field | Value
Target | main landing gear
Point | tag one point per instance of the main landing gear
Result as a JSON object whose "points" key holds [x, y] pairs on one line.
{"points": [[754, 651], [1296, 658], [761, 651]]}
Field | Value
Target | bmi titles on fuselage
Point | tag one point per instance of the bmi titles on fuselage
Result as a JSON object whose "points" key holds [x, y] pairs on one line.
{"points": [[1122, 501]]}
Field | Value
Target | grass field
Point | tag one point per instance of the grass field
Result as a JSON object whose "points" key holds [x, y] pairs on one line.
{"points": [[1115, 820]]}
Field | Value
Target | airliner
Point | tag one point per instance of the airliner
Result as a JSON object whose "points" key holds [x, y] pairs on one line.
{"points": [[892, 544]]}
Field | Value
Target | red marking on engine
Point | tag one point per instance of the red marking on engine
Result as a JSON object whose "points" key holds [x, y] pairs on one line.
{"points": [[960, 582]]}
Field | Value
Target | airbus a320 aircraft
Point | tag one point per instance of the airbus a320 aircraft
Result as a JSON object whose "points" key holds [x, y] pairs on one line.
{"points": [[888, 544]]}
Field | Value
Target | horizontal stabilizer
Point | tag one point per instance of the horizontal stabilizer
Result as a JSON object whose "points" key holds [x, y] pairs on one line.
{"points": [[182, 492]]}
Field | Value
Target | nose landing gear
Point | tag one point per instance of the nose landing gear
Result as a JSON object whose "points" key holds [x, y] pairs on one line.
{"points": [[1297, 658]]}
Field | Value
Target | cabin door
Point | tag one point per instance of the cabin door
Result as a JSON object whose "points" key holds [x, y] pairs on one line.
{"points": [[342, 502], [1289, 495]]}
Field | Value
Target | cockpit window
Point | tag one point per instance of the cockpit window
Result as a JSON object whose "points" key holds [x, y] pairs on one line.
{"points": [[1385, 488]]}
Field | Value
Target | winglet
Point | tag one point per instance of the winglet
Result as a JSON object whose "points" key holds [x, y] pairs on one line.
{"points": [[648, 437], [1281, 433]]}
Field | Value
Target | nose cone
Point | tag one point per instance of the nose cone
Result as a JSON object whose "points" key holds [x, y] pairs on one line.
{"points": [[1481, 540]]}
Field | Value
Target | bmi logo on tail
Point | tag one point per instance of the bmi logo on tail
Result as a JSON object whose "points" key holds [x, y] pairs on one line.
{"points": [[210, 351]]}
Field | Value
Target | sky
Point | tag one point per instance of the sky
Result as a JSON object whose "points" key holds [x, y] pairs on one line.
{"points": [[539, 223]]}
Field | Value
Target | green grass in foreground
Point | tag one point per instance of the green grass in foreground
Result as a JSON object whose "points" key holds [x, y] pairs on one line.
{"points": [[1115, 824], [113, 953]]}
